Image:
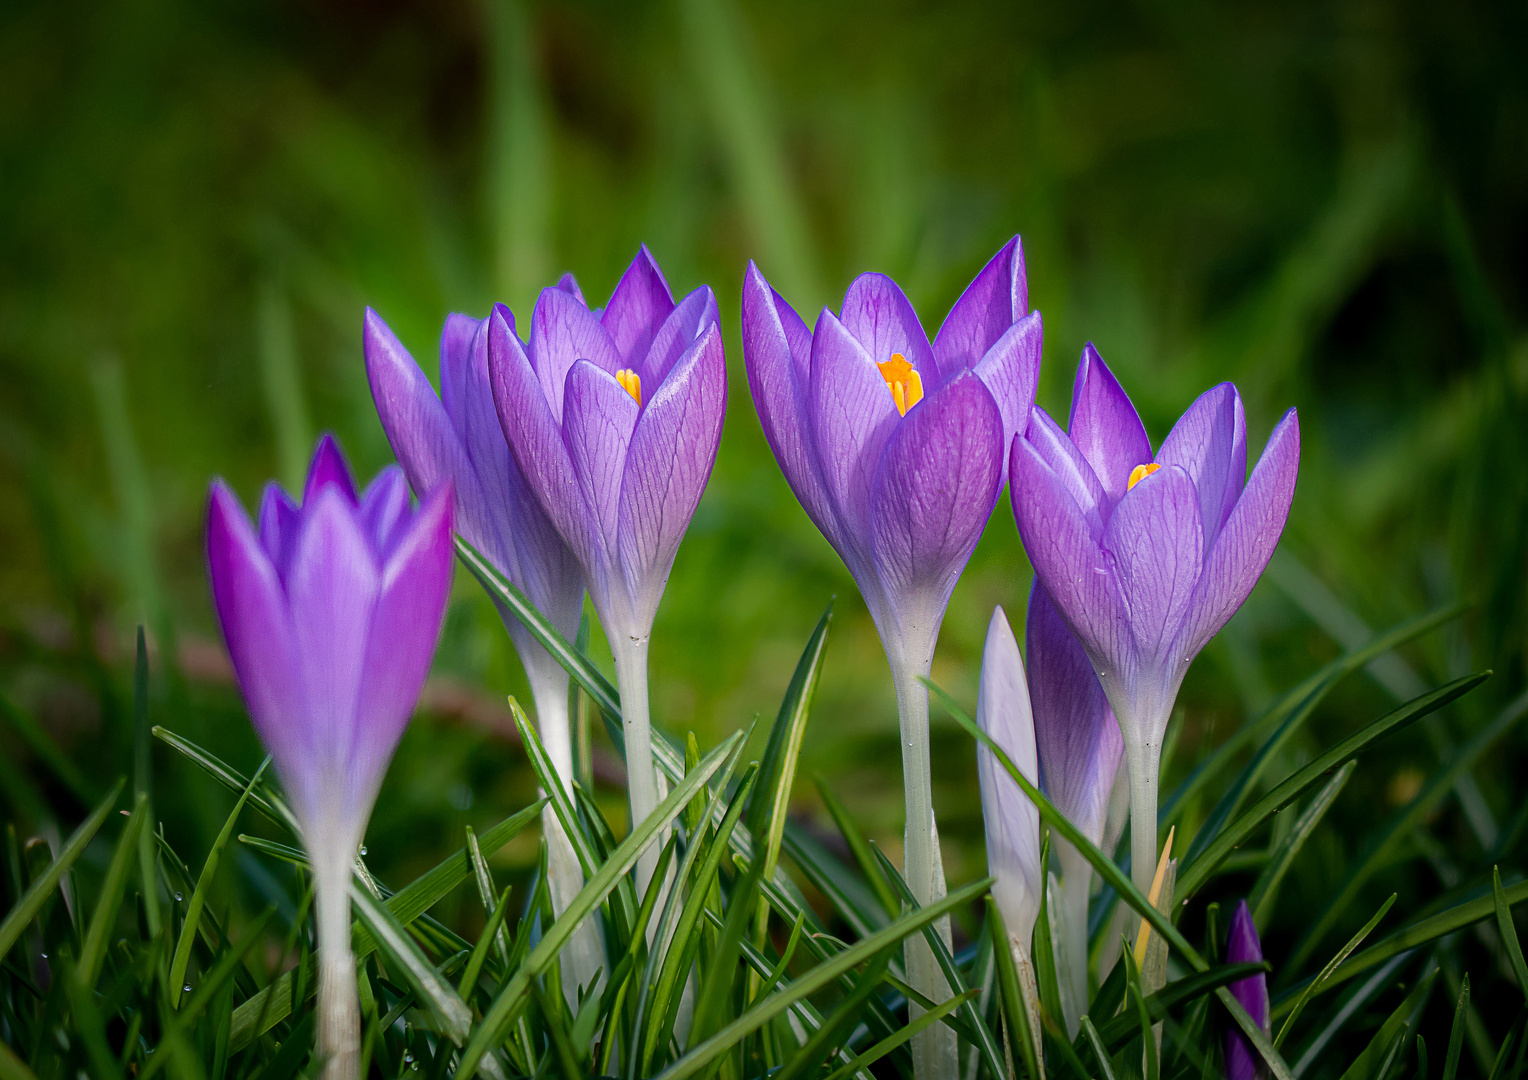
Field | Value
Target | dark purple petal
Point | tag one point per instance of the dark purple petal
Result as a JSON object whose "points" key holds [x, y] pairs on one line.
{"points": [[852, 415], [668, 463], [597, 421], [1243, 1062], [405, 628], [1071, 469], [1105, 426], [938, 480], [1246, 542], [687, 322], [1011, 369], [1068, 560], [777, 353], [882, 319], [328, 469], [997, 298], [1077, 736], [1157, 545], [278, 526], [1210, 442], [1011, 820], [251, 607], [564, 331], [639, 305], [385, 509], [568, 284]]}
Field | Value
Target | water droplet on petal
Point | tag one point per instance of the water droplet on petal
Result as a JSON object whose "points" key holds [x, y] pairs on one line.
{"points": [[363, 849]]}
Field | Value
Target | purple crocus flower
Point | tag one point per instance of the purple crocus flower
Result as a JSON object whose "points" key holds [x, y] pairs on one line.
{"points": [[1079, 751], [614, 417], [1147, 554], [1243, 1062], [896, 447], [457, 437], [331, 612]]}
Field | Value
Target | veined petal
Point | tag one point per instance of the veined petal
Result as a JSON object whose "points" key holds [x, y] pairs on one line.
{"points": [[1077, 737], [597, 421], [638, 307], [1157, 545], [456, 338], [997, 298], [1243, 1062], [385, 509], [279, 518], [564, 331], [668, 463], [1245, 544], [404, 630], [569, 284], [686, 322], [1105, 426], [1210, 442], [852, 415], [881, 318], [938, 480], [1011, 820], [328, 469], [1068, 561], [1071, 469], [252, 609], [1011, 370]]}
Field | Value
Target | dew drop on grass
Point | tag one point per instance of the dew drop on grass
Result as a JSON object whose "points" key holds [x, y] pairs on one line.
{"points": [[179, 898], [407, 1058], [186, 989]]}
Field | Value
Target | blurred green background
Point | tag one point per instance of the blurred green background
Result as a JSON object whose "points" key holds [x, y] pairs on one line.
{"points": [[1324, 202]]}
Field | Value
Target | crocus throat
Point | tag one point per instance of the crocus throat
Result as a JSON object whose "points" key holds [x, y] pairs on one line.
{"points": [[1137, 474], [905, 384], [631, 382]]}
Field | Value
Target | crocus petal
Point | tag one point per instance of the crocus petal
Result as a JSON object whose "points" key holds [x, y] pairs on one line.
{"points": [[1011, 370], [331, 591], [1068, 560], [1011, 820], [882, 319], [1076, 734], [563, 331], [853, 414], [569, 284], [777, 350], [667, 465], [1243, 947], [997, 298], [278, 526], [1246, 542], [1105, 426], [938, 480], [1063, 458], [328, 469], [687, 322], [384, 509], [1157, 545], [456, 338], [405, 628], [251, 607], [640, 304], [1210, 442], [597, 421]]}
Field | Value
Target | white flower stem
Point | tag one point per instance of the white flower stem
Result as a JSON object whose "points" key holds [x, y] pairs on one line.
{"points": [[641, 780], [1143, 757], [1076, 885], [339, 1011]]}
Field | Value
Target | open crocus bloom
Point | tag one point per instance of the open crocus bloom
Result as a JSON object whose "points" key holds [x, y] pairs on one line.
{"points": [[1243, 1062], [332, 611], [614, 417], [1145, 553]]}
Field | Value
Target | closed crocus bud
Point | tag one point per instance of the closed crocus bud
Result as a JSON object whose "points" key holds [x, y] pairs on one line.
{"points": [[331, 612], [1243, 1062]]}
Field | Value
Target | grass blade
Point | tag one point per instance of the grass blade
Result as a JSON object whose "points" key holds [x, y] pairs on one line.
{"points": [[1508, 931], [450, 1013], [903, 1035], [1456, 1033], [104, 920], [1343, 953], [1260, 900]]}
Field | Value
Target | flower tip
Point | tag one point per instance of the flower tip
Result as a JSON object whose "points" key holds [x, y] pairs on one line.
{"points": [[328, 468]]}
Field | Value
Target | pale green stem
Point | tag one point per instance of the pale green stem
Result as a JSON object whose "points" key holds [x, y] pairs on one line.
{"points": [[339, 1011], [1143, 759], [641, 782], [1076, 884]]}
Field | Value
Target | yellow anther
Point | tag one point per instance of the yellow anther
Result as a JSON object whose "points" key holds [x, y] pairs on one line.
{"points": [[904, 382], [1156, 882], [1141, 472], [631, 382]]}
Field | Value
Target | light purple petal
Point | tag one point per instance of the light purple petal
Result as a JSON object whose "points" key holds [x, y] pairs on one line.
{"points": [[667, 465], [638, 307], [1011, 370], [938, 480], [405, 628], [997, 298], [687, 322], [597, 421], [279, 517], [1246, 542], [1068, 560], [456, 338], [251, 607], [777, 353], [569, 284], [1210, 442], [1157, 545], [1105, 426], [564, 331], [1077, 736], [1243, 1062], [385, 509], [328, 469], [852, 414], [1011, 820], [1071, 469], [882, 319]]}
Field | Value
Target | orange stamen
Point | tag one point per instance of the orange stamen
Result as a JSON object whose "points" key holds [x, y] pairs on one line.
{"points": [[904, 382], [1141, 472], [631, 382]]}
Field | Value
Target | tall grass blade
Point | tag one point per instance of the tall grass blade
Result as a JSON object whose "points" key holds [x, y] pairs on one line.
{"points": [[1456, 1033], [448, 1010], [1260, 899], [862, 1062], [1319, 983], [1508, 931], [104, 920]]}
